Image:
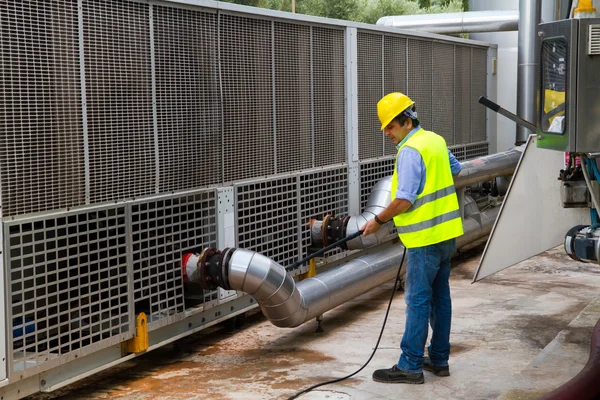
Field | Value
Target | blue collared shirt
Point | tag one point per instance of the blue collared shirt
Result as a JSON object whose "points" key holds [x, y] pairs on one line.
{"points": [[411, 170]]}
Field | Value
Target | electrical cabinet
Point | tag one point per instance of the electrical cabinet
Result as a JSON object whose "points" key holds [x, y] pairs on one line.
{"points": [[569, 109]]}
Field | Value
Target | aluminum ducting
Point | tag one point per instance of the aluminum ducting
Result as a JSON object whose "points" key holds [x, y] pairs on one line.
{"points": [[288, 304], [474, 171], [284, 302], [488, 167], [477, 226], [379, 199], [453, 23]]}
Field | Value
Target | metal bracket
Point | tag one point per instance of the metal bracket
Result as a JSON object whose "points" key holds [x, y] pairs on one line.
{"points": [[312, 270], [226, 237], [139, 343]]}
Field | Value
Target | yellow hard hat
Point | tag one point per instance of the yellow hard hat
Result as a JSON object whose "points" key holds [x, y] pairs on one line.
{"points": [[391, 105]]}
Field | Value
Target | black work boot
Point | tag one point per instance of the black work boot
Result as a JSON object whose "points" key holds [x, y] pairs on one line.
{"points": [[396, 375], [437, 371]]}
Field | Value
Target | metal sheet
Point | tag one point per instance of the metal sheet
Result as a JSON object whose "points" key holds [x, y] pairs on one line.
{"points": [[187, 97], [528, 225], [371, 173], [293, 97], [161, 230], [420, 76], [246, 76], [443, 99], [267, 218], [119, 100], [3, 293], [370, 91], [462, 84], [395, 75], [328, 96], [588, 103], [68, 280], [478, 88], [41, 145], [321, 192]]}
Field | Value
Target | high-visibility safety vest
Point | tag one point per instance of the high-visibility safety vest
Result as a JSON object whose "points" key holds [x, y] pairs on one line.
{"points": [[435, 215]]}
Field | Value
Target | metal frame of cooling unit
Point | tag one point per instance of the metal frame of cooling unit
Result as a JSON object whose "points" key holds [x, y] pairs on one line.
{"points": [[102, 195]]}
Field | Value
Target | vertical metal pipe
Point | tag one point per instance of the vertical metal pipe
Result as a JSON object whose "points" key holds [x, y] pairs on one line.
{"points": [[529, 18]]}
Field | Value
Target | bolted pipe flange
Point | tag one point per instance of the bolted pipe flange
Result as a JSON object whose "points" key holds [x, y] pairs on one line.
{"points": [[206, 273], [324, 235], [334, 229]]}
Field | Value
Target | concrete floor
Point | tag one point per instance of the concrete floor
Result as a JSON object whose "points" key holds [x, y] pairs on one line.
{"points": [[508, 331]]}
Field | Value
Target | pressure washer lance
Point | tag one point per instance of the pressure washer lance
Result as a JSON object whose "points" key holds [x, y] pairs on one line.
{"points": [[323, 250]]}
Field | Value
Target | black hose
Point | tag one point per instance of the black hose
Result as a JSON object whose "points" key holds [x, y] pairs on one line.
{"points": [[376, 345], [323, 250]]}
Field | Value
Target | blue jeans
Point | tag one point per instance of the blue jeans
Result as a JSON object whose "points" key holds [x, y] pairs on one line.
{"points": [[427, 296]]}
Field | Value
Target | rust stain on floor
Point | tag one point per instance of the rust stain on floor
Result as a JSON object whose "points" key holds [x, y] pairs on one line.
{"points": [[207, 366]]}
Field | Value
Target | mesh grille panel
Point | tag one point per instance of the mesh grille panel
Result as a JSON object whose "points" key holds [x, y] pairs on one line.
{"points": [[370, 88], [187, 98], [268, 218], [370, 174], [161, 231], [443, 82], [478, 88], [68, 279], [468, 152], [41, 141], [476, 150], [462, 110], [419, 79], [293, 97], [119, 100], [246, 73], [328, 87], [395, 74], [322, 193]]}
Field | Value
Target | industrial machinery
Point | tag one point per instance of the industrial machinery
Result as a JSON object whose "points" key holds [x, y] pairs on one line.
{"points": [[570, 122], [134, 132], [559, 165]]}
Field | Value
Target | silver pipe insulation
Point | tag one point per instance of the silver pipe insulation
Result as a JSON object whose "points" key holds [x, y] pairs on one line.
{"points": [[460, 22], [477, 226], [530, 14], [288, 304], [380, 198], [478, 170], [488, 167]]}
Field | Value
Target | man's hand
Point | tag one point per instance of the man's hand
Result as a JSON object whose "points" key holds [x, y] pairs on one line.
{"points": [[370, 227]]}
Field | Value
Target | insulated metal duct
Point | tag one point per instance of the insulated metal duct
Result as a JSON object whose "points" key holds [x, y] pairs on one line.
{"points": [[488, 167], [453, 23], [288, 304], [332, 229], [478, 226]]}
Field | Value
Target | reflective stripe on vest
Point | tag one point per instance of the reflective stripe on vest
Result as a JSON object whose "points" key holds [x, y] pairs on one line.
{"points": [[434, 216], [429, 223], [431, 197]]}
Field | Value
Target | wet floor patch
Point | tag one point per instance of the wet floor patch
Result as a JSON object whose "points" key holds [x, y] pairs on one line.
{"points": [[211, 366]]}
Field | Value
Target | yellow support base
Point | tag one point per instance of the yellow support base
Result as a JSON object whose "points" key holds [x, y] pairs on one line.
{"points": [[138, 343], [312, 270]]}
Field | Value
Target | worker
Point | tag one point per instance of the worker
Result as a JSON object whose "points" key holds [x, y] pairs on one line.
{"points": [[425, 210]]}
